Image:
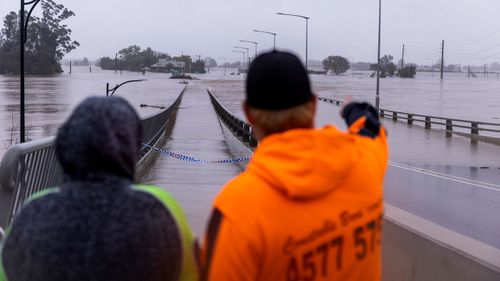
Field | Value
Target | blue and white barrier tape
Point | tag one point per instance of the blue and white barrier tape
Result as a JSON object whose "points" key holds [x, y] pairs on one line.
{"points": [[192, 159]]}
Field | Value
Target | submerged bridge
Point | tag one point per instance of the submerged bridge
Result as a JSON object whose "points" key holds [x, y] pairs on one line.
{"points": [[442, 192]]}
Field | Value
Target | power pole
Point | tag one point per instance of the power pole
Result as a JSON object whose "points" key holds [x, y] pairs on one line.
{"points": [[377, 93], [352, 66], [442, 59], [403, 57]]}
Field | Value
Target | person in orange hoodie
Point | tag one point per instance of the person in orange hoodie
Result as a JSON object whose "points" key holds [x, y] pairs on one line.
{"points": [[309, 205]]}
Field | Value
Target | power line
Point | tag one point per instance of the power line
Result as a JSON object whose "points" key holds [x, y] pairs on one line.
{"points": [[478, 40], [478, 52]]}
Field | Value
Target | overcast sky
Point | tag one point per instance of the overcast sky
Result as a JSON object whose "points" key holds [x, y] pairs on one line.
{"points": [[471, 28]]}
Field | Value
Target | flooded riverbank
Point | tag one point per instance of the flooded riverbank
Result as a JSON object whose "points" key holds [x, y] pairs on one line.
{"points": [[50, 99]]}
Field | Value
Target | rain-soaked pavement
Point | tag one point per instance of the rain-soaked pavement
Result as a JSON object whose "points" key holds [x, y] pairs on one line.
{"points": [[196, 133]]}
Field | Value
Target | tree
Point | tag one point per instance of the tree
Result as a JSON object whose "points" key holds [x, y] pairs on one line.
{"points": [[409, 71], [48, 41], [387, 67], [210, 62], [495, 66], [9, 45], [337, 64], [198, 67], [133, 58], [187, 62], [106, 63]]}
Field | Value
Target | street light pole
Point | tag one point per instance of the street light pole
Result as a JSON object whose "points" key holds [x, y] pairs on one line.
{"points": [[377, 96], [241, 52], [253, 42], [23, 29], [247, 50], [352, 66], [113, 90], [268, 32], [307, 30]]}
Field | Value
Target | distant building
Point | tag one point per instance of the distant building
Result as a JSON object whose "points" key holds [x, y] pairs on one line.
{"points": [[167, 65]]}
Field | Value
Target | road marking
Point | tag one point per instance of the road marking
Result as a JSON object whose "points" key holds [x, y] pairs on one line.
{"points": [[476, 183], [446, 175]]}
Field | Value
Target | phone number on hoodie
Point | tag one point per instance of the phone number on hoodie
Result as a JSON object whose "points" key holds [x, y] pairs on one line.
{"points": [[329, 255]]}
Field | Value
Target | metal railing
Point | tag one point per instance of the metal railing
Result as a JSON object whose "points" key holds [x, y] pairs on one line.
{"points": [[154, 125], [468, 128], [30, 167], [240, 128]]}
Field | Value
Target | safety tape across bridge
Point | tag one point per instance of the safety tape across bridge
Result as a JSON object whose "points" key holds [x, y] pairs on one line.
{"points": [[193, 159]]}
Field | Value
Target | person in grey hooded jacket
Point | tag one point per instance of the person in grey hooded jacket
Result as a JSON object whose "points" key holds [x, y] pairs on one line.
{"points": [[98, 225]]}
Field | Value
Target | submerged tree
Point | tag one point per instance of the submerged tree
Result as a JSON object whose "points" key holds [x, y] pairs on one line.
{"points": [[132, 58], [337, 64], [387, 67], [409, 71], [49, 39]]}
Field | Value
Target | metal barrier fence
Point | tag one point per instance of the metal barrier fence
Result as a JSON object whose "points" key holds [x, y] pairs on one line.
{"points": [[30, 167], [240, 128], [469, 128]]}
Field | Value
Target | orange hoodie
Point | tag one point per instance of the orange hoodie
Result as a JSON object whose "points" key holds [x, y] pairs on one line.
{"points": [[308, 207]]}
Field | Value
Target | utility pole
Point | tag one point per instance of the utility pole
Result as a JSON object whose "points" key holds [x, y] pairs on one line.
{"points": [[377, 93], [307, 44], [352, 66], [442, 59], [403, 57], [116, 62]]}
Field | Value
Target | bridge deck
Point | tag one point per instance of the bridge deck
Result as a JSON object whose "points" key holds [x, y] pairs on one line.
{"points": [[196, 133]]}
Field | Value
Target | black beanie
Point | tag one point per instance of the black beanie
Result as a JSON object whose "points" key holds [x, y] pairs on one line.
{"points": [[277, 80]]}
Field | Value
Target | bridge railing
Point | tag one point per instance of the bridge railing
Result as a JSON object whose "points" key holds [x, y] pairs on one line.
{"points": [[474, 129], [240, 128], [30, 167]]}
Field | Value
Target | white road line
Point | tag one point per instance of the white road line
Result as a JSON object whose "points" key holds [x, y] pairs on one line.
{"points": [[446, 175], [484, 185]]}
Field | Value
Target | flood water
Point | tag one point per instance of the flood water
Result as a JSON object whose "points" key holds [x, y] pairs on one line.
{"points": [[455, 97], [49, 100]]}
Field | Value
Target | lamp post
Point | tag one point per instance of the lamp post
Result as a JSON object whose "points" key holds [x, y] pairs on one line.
{"points": [[23, 30], [241, 52], [113, 90], [307, 29], [253, 42], [268, 32], [247, 50], [377, 94], [225, 63], [352, 65]]}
